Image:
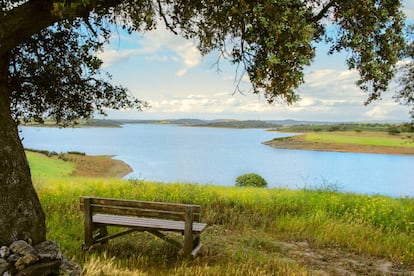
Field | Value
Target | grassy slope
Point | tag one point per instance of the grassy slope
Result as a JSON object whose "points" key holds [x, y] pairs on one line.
{"points": [[76, 165], [42, 166], [252, 231]]}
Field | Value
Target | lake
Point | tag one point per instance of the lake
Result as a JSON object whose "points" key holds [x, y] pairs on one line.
{"points": [[217, 156]]}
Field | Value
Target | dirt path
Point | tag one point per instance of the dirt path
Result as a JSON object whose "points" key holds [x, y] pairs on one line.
{"points": [[334, 261]]}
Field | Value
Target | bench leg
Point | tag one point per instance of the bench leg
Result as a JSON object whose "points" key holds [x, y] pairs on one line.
{"points": [[188, 232], [188, 246], [88, 226]]}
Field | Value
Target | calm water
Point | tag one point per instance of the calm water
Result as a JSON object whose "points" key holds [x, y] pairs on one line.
{"points": [[218, 156]]}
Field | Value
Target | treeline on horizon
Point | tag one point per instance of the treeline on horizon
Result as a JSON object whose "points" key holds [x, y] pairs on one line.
{"points": [[285, 125], [282, 125]]}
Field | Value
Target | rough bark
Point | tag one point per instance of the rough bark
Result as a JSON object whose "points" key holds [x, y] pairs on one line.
{"points": [[21, 215]]}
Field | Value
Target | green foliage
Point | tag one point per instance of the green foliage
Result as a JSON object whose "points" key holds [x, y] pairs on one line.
{"points": [[371, 52], [393, 130], [251, 180], [45, 152], [65, 78], [273, 40], [406, 79], [334, 128]]}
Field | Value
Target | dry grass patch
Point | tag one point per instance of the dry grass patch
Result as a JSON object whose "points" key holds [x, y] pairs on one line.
{"points": [[97, 166]]}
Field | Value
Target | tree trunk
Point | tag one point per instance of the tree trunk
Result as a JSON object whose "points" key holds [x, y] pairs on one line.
{"points": [[21, 215]]}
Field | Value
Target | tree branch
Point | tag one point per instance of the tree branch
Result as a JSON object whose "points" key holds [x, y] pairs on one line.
{"points": [[171, 28], [23, 21], [324, 10], [31, 17]]}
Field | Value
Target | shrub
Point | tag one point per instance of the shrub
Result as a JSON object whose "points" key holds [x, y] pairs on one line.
{"points": [[393, 130], [251, 180]]}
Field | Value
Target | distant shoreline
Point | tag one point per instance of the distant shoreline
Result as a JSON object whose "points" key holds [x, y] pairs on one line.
{"points": [[300, 142]]}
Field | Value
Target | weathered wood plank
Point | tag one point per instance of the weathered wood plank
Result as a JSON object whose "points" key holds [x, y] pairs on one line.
{"points": [[106, 238], [142, 208], [188, 232], [196, 250], [88, 227], [128, 211], [143, 204], [177, 244], [150, 223]]}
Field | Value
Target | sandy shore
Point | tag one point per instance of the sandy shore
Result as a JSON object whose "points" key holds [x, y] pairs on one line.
{"points": [[97, 166]]}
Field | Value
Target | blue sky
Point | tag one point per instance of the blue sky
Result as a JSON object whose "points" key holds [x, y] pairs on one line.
{"points": [[169, 72]]}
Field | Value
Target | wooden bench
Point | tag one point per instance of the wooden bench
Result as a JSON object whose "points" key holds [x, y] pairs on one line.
{"points": [[152, 217]]}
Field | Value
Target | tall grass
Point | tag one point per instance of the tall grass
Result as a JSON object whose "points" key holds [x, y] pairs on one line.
{"points": [[245, 225]]}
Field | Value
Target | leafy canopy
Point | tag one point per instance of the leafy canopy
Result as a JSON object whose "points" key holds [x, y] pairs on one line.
{"points": [[406, 93], [54, 72]]}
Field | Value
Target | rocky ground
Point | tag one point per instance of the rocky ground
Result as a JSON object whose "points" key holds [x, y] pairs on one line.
{"points": [[20, 258]]}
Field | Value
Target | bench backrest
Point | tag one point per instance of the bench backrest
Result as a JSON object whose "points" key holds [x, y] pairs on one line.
{"points": [[161, 210]]}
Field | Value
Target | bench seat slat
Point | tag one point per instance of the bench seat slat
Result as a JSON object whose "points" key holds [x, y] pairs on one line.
{"points": [[129, 211], [150, 223]]}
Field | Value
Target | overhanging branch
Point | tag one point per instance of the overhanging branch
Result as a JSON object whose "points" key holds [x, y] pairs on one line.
{"points": [[322, 13], [162, 14]]}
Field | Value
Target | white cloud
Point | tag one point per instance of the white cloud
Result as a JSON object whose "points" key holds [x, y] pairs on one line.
{"points": [[151, 44], [185, 51], [382, 111], [156, 58], [111, 56], [409, 9]]}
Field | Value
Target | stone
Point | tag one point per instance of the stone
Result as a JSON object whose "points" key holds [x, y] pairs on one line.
{"points": [[48, 250], [69, 268], [25, 261], [12, 258], [22, 259], [4, 266], [4, 252], [41, 269], [22, 248]]}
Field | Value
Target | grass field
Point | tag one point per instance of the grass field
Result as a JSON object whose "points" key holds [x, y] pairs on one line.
{"points": [[366, 138], [347, 141], [42, 166], [251, 231]]}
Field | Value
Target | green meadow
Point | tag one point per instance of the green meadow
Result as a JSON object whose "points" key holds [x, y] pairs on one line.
{"points": [[252, 231], [41, 166], [372, 139]]}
